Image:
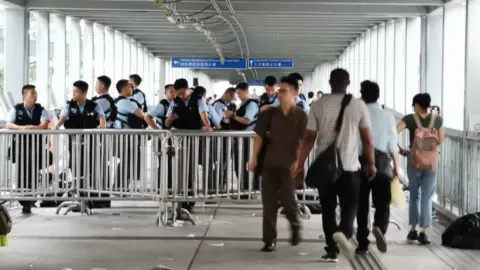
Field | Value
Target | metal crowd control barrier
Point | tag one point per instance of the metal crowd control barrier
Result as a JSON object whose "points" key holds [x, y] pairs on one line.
{"points": [[211, 168], [79, 168]]}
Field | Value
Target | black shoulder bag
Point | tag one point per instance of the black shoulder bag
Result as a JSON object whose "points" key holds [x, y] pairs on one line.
{"points": [[265, 142], [327, 167]]}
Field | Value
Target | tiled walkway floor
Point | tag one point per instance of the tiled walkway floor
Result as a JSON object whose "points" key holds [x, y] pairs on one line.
{"points": [[126, 238]]}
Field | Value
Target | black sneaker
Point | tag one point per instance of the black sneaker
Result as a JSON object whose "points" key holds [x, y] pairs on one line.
{"points": [[295, 238], [412, 236], [330, 257], [269, 247], [423, 239]]}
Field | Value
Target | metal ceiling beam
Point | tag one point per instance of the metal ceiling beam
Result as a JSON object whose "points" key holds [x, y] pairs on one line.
{"points": [[290, 8]]}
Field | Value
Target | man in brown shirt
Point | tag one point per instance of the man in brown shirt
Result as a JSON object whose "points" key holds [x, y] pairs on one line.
{"points": [[278, 133]]}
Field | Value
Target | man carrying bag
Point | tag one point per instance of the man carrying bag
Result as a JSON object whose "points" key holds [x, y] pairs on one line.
{"points": [[338, 121]]}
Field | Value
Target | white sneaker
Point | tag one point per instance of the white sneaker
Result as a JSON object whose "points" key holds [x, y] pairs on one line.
{"points": [[346, 248]]}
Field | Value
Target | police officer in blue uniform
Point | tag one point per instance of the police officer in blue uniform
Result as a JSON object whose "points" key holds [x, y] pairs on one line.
{"points": [[138, 95], [82, 113], [222, 104], [244, 120], [301, 102], [105, 100], [28, 115], [270, 95], [200, 93], [129, 116], [188, 112], [159, 112]]}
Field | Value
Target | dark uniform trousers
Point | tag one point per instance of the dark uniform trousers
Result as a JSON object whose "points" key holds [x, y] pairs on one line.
{"points": [[347, 188], [381, 197], [277, 185]]}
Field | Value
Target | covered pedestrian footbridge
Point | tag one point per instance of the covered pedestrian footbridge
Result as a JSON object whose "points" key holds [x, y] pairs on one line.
{"points": [[407, 46]]}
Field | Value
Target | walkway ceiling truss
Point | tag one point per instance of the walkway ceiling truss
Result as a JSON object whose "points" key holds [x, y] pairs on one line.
{"points": [[309, 31]]}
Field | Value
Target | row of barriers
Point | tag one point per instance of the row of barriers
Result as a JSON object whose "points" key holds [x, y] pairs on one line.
{"points": [[180, 168], [79, 168]]}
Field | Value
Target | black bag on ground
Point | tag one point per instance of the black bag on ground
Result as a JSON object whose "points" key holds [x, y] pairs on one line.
{"points": [[327, 167], [463, 233]]}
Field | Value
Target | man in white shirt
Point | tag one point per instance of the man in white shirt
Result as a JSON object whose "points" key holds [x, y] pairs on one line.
{"points": [[322, 120], [385, 140]]}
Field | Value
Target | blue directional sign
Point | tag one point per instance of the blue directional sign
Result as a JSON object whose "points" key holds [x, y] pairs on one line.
{"points": [[209, 63], [270, 63], [256, 82]]}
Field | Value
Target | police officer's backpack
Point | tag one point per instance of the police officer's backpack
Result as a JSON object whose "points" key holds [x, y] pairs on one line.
{"points": [[5, 221]]}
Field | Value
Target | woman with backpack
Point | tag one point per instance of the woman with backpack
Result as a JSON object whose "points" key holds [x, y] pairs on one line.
{"points": [[426, 134]]}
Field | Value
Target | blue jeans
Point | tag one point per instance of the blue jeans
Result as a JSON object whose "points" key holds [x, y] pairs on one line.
{"points": [[421, 184]]}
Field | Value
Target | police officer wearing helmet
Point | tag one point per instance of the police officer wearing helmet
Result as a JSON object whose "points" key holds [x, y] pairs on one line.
{"points": [[28, 115], [105, 100], [159, 112], [82, 113], [129, 116], [270, 95], [138, 95], [301, 102], [244, 120]]}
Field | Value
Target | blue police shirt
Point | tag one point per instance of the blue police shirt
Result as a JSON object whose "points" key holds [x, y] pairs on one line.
{"points": [[251, 113], [125, 106], [66, 110], [305, 106], [12, 114], [103, 102], [220, 108], [139, 97], [158, 112], [213, 116]]}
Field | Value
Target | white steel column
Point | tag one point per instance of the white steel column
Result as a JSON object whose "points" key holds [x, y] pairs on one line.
{"points": [[16, 52], [43, 58], [126, 56], [472, 80], [133, 56], [118, 58], [88, 75], [109, 54], [162, 79], [140, 60], [99, 50], [60, 59], [74, 63]]}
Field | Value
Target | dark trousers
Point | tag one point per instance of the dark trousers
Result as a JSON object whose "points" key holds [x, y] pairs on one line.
{"points": [[381, 197], [27, 177], [347, 188], [277, 185], [244, 162]]}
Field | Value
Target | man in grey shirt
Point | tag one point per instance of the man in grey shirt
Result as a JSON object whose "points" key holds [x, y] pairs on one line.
{"points": [[322, 120]]}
